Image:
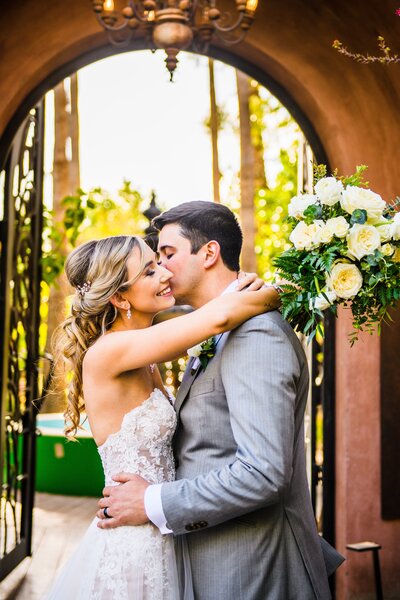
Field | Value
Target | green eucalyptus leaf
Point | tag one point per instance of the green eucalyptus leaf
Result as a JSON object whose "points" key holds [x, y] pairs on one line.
{"points": [[358, 216]]}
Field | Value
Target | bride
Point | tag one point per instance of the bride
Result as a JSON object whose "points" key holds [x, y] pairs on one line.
{"points": [[110, 350]]}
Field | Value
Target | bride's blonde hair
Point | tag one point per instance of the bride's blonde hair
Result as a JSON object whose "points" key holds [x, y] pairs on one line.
{"points": [[97, 270]]}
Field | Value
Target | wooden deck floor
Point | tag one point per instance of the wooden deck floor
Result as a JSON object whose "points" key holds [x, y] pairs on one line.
{"points": [[59, 523]]}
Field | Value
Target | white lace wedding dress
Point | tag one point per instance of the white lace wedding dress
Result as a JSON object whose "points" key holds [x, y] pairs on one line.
{"points": [[130, 563]]}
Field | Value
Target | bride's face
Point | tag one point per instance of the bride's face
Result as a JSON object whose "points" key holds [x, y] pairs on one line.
{"points": [[151, 293]]}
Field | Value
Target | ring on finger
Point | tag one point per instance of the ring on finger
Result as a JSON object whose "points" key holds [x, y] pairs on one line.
{"points": [[105, 513]]}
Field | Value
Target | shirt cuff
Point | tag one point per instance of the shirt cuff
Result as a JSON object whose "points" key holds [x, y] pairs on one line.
{"points": [[154, 509]]}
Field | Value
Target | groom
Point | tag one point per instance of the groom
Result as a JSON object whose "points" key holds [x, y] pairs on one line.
{"points": [[241, 497]]}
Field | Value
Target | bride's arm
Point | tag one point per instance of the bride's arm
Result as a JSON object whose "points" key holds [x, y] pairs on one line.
{"points": [[127, 350]]}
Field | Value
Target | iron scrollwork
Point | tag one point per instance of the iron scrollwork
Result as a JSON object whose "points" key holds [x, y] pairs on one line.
{"points": [[20, 277]]}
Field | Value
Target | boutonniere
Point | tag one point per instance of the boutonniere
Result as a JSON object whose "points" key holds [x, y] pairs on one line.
{"points": [[204, 352]]}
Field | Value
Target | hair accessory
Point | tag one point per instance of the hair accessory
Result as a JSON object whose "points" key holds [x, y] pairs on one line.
{"points": [[82, 289], [129, 313]]}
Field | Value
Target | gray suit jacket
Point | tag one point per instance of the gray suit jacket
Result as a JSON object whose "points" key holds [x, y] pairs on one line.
{"points": [[241, 489]]}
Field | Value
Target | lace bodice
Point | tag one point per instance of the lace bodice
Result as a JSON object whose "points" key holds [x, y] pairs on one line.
{"points": [[127, 563], [143, 443]]}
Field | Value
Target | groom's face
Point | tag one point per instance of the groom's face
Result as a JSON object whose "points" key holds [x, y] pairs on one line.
{"points": [[176, 255]]}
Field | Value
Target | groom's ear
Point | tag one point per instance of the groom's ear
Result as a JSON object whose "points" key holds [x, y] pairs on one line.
{"points": [[212, 252]]}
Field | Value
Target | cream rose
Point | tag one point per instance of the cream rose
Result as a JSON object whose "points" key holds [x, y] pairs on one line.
{"points": [[384, 231], [387, 249], [363, 240], [355, 197], [323, 301], [329, 190], [396, 255], [339, 226], [195, 351], [298, 204], [345, 280], [395, 227], [304, 237]]}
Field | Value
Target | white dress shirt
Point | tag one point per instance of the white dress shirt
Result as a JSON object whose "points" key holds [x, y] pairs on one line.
{"points": [[152, 495]]}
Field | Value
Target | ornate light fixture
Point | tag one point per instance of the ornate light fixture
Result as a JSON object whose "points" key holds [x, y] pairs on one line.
{"points": [[174, 25]]}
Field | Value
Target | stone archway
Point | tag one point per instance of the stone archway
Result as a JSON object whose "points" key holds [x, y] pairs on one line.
{"points": [[352, 108]]}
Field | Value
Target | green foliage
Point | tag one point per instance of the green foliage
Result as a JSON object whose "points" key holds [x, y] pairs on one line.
{"points": [[222, 119], [271, 202], [308, 271], [386, 57], [319, 171], [207, 352], [273, 230], [356, 179], [89, 215]]}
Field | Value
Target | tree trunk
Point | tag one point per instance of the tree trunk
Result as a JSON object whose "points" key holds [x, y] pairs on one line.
{"points": [[214, 126], [260, 180], [66, 181], [247, 174]]}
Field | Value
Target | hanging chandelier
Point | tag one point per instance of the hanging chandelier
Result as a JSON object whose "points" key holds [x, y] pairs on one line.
{"points": [[174, 25]]}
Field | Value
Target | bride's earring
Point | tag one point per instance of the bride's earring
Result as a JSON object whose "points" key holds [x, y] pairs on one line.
{"points": [[129, 313]]}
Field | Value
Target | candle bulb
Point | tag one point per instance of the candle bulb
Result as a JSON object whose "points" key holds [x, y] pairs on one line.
{"points": [[251, 5], [108, 5]]}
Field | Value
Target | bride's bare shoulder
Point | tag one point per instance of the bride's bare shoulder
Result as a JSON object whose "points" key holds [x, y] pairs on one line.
{"points": [[100, 349], [106, 351]]}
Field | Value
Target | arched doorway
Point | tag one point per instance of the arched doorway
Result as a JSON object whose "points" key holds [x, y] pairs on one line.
{"points": [[354, 109], [323, 387]]}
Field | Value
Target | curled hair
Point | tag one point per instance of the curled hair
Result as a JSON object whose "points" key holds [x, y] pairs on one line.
{"points": [[97, 270]]}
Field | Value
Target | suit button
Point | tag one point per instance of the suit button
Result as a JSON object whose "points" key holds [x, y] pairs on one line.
{"points": [[194, 526]]}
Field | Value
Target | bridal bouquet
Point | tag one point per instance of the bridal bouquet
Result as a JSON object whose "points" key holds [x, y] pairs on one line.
{"points": [[346, 250]]}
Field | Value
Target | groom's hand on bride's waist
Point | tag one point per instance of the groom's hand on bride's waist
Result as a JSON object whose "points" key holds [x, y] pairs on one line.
{"points": [[123, 504]]}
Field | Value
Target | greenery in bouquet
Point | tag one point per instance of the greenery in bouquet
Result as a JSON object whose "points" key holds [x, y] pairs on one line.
{"points": [[346, 251]]}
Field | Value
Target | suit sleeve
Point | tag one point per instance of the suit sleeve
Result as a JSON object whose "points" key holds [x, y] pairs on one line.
{"points": [[260, 372]]}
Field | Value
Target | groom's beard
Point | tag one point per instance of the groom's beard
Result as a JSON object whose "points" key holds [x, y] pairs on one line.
{"points": [[186, 292]]}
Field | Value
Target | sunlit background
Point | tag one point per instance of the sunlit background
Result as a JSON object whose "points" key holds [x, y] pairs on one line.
{"points": [[135, 124]]}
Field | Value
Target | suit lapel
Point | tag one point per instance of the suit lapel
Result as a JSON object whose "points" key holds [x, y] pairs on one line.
{"points": [[190, 376], [186, 384]]}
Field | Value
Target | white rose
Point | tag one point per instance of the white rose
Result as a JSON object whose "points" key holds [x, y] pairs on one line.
{"points": [[339, 226], [363, 240], [355, 197], [395, 227], [329, 190], [323, 234], [384, 231], [387, 249], [298, 205], [323, 301], [195, 351], [303, 236], [345, 279]]}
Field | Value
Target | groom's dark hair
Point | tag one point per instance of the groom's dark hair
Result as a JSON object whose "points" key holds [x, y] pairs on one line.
{"points": [[200, 222]]}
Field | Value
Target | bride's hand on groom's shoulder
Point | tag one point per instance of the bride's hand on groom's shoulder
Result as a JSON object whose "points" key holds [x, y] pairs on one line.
{"points": [[249, 281], [123, 504]]}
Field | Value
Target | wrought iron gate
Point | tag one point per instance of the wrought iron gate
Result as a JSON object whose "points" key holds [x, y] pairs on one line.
{"points": [[20, 277]]}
